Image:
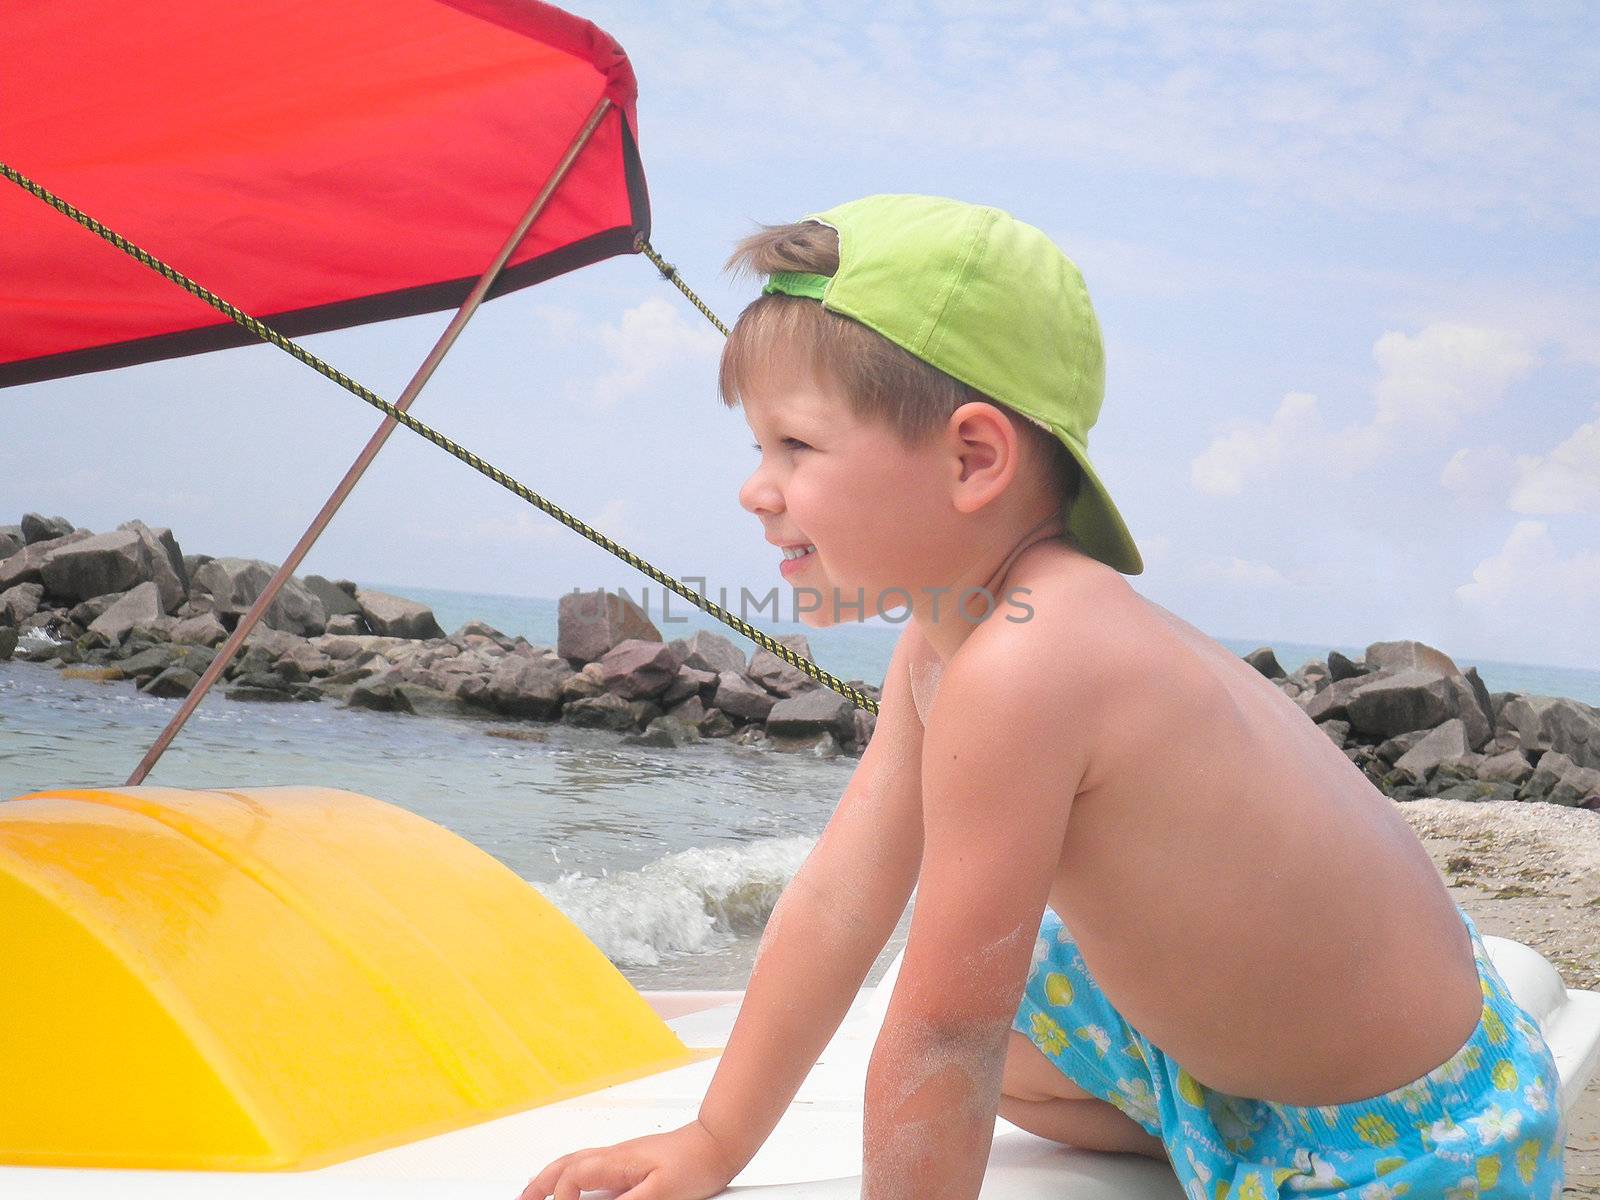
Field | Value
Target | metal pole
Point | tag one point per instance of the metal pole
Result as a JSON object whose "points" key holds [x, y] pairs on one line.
{"points": [[374, 444]]}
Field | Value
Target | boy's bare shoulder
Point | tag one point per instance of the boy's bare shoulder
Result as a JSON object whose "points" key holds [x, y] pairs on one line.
{"points": [[1071, 634], [1074, 621]]}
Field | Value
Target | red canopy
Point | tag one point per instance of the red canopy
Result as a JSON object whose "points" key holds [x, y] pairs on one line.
{"points": [[318, 164]]}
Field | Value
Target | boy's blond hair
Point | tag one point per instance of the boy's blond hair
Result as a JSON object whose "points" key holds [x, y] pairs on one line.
{"points": [[880, 381]]}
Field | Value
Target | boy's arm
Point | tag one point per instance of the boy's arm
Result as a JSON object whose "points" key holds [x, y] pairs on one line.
{"points": [[831, 922], [1004, 754]]}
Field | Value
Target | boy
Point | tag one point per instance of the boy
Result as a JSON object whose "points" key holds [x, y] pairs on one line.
{"points": [[1265, 982]]}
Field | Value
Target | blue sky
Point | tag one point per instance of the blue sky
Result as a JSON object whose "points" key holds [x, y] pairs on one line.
{"points": [[1346, 260]]}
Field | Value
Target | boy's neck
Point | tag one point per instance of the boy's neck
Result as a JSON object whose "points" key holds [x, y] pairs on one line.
{"points": [[951, 628]]}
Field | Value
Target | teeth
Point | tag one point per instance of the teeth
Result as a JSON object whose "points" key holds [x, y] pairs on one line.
{"points": [[798, 551]]}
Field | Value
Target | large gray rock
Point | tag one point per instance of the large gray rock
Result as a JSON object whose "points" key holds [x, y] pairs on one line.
{"points": [[273, 644], [1341, 667], [1551, 767], [1578, 787], [336, 601], [664, 732], [1332, 703], [87, 612], [1479, 791], [605, 711], [1497, 706], [26, 564], [1552, 723], [8, 643], [204, 630], [523, 687], [816, 711], [304, 662], [691, 712], [1265, 660], [381, 693], [1383, 705], [1390, 749], [229, 586], [37, 528], [338, 647], [740, 697], [636, 669], [19, 603], [11, 540], [172, 683], [139, 606], [109, 562], [163, 538], [778, 676], [395, 616], [689, 682], [1512, 767], [145, 664], [583, 683], [590, 623], [114, 562], [1409, 656], [1480, 692], [707, 651], [1449, 740], [159, 630]]}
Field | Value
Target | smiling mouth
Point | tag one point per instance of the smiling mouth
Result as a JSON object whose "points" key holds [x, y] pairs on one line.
{"points": [[798, 552]]}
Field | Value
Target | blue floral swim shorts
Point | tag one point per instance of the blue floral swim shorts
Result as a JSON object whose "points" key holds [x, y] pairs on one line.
{"points": [[1485, 1123]]}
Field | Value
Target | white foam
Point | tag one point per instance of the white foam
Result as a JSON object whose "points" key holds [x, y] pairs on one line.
{"points": [[694, 901], [36, 638]]}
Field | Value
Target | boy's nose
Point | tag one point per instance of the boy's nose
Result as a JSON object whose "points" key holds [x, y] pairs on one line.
{"points": [[759, 497]]}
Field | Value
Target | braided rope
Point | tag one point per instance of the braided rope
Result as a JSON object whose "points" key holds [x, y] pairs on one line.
{"points": [[266, 334], [670, 274]]}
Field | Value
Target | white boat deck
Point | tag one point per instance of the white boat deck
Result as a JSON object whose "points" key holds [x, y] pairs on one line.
{"points": [[814, 1154]]}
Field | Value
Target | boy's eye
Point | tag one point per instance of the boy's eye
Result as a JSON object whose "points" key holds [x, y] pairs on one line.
{"points": [[796, 443]]}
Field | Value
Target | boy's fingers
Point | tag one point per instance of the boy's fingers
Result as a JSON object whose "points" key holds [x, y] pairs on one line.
{"points": [[652, 1187], [542, 1184], [601, 1171]]}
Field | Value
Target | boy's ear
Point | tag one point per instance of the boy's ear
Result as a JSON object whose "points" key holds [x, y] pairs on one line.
{"points": [[987, 453]]}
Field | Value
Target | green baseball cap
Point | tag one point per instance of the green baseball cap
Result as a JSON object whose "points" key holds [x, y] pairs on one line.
{"points": [[991, 301]]}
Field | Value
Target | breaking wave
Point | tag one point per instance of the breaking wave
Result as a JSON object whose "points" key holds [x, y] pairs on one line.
{"points": [[694, 901]]}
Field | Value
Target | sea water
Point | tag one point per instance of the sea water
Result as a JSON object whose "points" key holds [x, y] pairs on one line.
{"points": [[670, 860]]}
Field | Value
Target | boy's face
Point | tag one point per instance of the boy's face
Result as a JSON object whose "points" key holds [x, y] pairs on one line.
{"points": [[850, 488]]}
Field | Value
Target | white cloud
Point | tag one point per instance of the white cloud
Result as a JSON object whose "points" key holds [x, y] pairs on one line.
{"points": [[1254, 447], [1529, 580], [1445, 373], [1479, 471], [1187, 563], [1474, 119], [1427, 384], [1232, 571], [651, 339], [1564, 481], [1567, 480]]}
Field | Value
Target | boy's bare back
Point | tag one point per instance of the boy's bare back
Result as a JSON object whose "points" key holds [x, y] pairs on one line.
{"points": [[1230, 877]]}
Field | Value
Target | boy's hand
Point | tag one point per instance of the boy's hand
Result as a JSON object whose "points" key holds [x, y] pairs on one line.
{"points": [[682, 1164]]}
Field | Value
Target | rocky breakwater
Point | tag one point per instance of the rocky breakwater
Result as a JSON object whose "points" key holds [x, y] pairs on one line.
{"points": [[1419, 726], [130, 605]]}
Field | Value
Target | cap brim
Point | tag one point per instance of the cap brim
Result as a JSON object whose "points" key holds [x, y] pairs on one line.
{"points": [[1095, 521]]}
